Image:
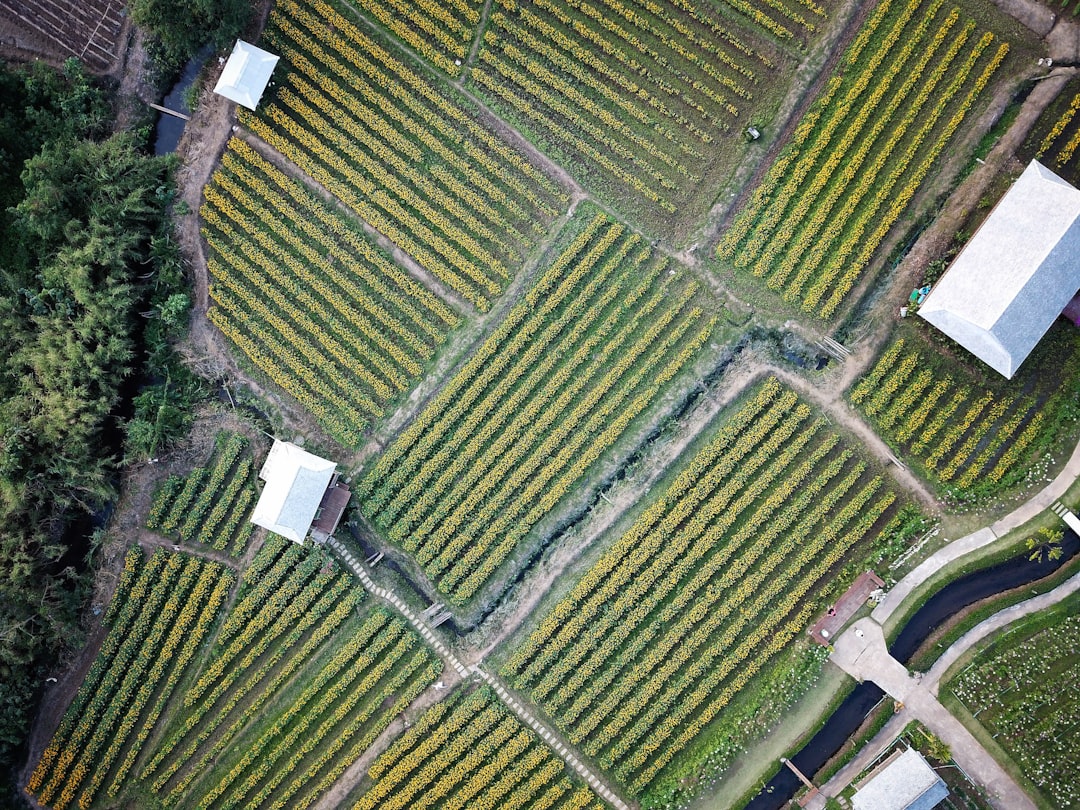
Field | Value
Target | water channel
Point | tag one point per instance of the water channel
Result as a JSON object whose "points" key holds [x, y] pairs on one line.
{"points": [[947, 602], [169, 127]]}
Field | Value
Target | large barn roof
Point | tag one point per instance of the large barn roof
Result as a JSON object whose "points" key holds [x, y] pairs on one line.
{"points": [[296, 481], [245, 75], [1015, 275]]}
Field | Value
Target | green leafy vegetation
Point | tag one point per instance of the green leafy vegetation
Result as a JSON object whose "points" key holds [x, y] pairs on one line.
{"points": [[180, 27], [1014, 691], [77, 233]]}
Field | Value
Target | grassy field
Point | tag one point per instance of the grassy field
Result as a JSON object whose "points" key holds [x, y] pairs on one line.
{"points": [[589, 348], [899, 97], [971, 432], [713, 583]]}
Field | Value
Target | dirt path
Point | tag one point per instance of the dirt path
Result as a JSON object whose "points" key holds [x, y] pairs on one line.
{"points": [[830, 399], [151, 541]]}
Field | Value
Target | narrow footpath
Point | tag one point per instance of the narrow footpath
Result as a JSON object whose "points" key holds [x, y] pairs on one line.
{"points": [[558, 745]]}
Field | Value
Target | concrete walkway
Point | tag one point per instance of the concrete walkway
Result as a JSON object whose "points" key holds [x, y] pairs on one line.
{"points": [[383, 593], [862, 653], [1003, 618], [1037, 504], [564, 751]]}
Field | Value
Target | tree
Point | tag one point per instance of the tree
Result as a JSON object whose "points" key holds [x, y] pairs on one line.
{"points": [[79, 218], [1046, 542], [181, 27]]}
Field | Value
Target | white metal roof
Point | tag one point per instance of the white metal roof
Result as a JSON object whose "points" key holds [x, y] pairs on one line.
{"points": [[245, 75], [295, 483], [906, 783], [1015, 275]]}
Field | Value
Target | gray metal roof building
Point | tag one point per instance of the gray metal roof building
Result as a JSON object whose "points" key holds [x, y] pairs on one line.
{"points": [[296, 481], [245, 75], [1015, 275], [904, 782]]}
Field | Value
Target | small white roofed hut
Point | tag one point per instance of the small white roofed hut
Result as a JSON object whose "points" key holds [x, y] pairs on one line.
{"points": [[1015, 275], [296, 483], [246, 74], [902, 782]]}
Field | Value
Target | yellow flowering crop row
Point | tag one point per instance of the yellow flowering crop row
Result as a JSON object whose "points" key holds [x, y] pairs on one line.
{"points": [[323, 619], [1059, 127], [471, 752], [711, 581], [168, 608]]}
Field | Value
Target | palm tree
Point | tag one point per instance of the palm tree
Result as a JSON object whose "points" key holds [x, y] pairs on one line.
{"points": [[1048, 542]]}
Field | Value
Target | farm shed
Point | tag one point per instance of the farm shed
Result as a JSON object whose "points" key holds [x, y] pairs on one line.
{"points": [[1015, 275], [902, 782], [298, 485], [245, 75]]}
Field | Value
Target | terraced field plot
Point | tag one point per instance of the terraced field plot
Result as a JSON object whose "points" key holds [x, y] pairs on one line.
{"points": [[589, 349], [972, 434], [912, 75], [403, 150], [642, 101], [310, 300], [666, 633], [469, 751]]}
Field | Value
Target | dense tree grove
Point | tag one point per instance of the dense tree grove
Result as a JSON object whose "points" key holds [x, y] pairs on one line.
{"points": [[87, 273], [181, 27]]}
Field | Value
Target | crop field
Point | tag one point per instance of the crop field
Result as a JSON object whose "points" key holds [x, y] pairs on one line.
{"points": [[971, 434], [586, 351], [905, 85], [310, 300], [295, 689], [1055, 139], [1015, 691], [298, 682], [643, 98], [164, 608], [212, 503], [441, 32], [402, 150], [469, 752], [713, 581]]}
